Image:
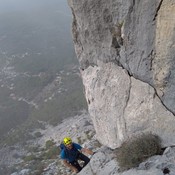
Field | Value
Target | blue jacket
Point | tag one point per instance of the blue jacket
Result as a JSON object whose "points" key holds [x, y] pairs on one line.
{"points": [[70, 155]]}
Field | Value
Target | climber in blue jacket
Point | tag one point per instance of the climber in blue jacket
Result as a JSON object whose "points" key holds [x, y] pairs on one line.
{"points": [[72, 152]]}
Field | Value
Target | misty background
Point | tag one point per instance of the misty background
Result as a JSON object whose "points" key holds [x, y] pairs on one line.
{"points": [[39, 75]]}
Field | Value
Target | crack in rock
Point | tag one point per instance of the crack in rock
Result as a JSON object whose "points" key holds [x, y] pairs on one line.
{"points": [[127, 100], [157, 10]]}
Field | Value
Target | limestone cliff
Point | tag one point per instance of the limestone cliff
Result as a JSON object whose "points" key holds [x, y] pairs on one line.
{"points": [[126, 51]]}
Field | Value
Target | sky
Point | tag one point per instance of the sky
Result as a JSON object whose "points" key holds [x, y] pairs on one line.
{"points": [[23, 18], [28, 5]]}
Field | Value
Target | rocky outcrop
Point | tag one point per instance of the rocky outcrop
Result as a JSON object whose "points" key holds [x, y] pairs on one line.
{"points": [[121, 106], [126, 54], [104, 163]]}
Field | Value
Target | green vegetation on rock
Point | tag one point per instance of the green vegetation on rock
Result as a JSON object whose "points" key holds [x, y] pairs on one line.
{"points": [[138, 149]]}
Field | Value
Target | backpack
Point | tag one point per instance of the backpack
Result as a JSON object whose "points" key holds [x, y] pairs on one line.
{"points": [[62, 146]]}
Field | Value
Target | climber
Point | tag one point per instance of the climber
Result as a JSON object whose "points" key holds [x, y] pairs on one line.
{"points": [[71, 153]]}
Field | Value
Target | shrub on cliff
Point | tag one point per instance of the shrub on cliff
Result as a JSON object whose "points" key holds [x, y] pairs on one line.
{"points": [[137, 149], [49, 144], [30, 158], [51, 153]]}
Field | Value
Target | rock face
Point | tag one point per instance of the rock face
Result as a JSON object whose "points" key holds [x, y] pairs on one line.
{"points": [[103, 163], [126, 51]]}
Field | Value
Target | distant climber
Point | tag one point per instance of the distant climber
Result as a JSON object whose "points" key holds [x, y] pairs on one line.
{"points": [[71, 153]]}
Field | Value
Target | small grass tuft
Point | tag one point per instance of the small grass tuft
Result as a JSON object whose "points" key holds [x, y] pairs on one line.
{"points": [[138, 149]]}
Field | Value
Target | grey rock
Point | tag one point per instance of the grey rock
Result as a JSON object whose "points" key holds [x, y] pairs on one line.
{"points": [[107, 101], [122, 106], [22, 172], [129, 85]]}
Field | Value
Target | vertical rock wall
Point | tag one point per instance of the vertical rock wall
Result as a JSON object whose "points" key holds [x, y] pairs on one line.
{"points": [[126, 54]]}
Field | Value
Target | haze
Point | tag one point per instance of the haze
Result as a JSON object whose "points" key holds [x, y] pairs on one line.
{"points": [[36, 51]]}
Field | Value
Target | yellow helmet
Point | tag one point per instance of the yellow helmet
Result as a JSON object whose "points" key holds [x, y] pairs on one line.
{"points": [[67, 140]]}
